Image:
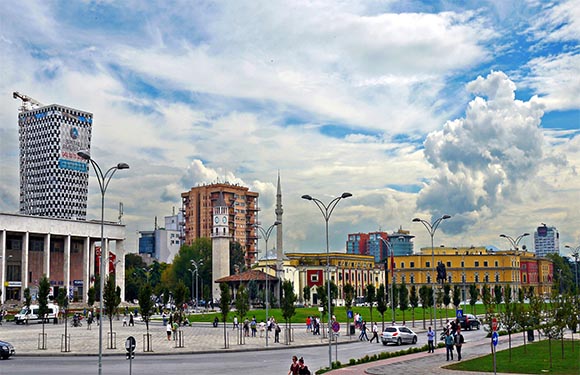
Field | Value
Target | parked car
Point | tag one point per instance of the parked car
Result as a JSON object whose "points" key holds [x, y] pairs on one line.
{"points": [[398, 335], [30, 315], [6, 350], [469, 322]]}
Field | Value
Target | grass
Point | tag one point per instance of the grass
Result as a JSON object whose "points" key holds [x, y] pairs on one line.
{"points": [[534, 359], [340, 312]]}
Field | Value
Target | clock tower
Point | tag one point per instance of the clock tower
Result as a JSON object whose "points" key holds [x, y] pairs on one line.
{"points": [[220, 239]]}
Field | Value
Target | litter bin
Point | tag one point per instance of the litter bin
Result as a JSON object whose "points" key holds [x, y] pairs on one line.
{"points": [[352, 329], [530, 335]]}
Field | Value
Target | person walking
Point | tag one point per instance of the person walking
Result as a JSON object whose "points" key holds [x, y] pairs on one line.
{"points": [[131, 320], [459, 340], [449, 341], [431, 340], [168, 328], [363, 332], [303, 369], [375, 332], [294, 367], [277, 330]]}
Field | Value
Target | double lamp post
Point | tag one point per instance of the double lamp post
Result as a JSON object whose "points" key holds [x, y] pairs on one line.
{"points": [[104, 179]]}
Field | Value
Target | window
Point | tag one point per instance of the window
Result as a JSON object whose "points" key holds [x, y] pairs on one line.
{"points": [[449, 264], [314, 278], [486, 278], [476, 278], [428, 279], [462, 264], [427, 264], [402, 264], [412, 264], [463, 278], [496, 263], [485, 264], [497, 278], [450, 278], [476, 263]]}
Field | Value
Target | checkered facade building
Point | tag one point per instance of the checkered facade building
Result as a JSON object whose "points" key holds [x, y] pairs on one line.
{"points": [[53, 178]]}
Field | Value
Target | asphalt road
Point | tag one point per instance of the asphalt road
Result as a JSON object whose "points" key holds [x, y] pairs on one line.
{"points": [[250, 362]]}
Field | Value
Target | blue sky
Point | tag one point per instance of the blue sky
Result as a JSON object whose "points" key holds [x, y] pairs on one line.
{"points": [[418, 108]]}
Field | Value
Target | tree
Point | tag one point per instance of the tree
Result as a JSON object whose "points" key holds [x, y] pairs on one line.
{"points": [[111, 300], [27, 300], [63, 303], [395, 297], [370, 297], [403, 299], [322, 296], [43, 291], [91, 296], [509, 318], [348, 290], [446, 297], [424, 299], [146, 307], [456, 296], [498, 296], [473, 296], [287, 301], [242, 301], [381, 303], [237, 256], [306, 293], [179, 296], [413, 301], [224, 304]]}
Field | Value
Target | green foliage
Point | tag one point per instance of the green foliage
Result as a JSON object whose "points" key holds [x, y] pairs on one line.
{"points": [[456, 296], [497, 294], [43, 291], [178, 270], [306, 293], [446, 294], [370, 297], [146, 304], [242, 301], [91, 296], [225, 301], [287, 301], [27, 298], [111, 298], [381, 303], [237, 257], [348, 290], [403, 298], [473, 296], [180, 294]]}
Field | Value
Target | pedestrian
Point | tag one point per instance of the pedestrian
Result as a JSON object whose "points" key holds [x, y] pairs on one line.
{"points": [[303, 369], [131, 320], [169, 327], [246, 327], [294, 367], [375, 332], [262, 328], [363, 332], [124, 321], [235, 322], [253, 325], [277, 331], [308, 324], [459, 340], [449, 344], [430, 340]]}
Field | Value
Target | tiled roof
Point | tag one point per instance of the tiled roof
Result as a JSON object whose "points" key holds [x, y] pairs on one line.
{"points": [[250, 275]]}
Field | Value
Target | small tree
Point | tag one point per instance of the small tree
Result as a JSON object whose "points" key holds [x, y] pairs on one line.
{"points": [[306, 293], [413, 301], [381, 303], [423, 297], [43, 290], [287, 301], [498, 295], [446, 297], [242, 301], [370, 297], [146, 305], [348, 290], [395, 297], [111, 300], [403, 299], [510, 317], [456, 297], [91, 297], [473, 296], [179, 295], [27, 300], [224, 304]]}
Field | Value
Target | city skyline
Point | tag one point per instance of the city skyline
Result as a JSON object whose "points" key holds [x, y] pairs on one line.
{"points": [[418, 109]]}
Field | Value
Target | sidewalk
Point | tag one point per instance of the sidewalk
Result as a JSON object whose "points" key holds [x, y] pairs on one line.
{"points": [[198, 338]]}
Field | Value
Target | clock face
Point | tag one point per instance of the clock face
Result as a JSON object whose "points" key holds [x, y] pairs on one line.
{"points": [[217, 220], [225, 220]]}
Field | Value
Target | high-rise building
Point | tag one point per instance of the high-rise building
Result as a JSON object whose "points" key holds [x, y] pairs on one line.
{"points": [[242, 204], [373, 243], [546, 241], [401, 242], [54, 180], [357, 243]]}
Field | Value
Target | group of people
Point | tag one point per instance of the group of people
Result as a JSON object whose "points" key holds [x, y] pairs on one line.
{"points": [[298, 367], [313, 325], [130, 322], [453, 339]]}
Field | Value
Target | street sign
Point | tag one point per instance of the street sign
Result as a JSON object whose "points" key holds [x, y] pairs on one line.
{"points": [[130, 346], [459, 313], [494, 324], [494, 338], [349, 314], [335, 326]]}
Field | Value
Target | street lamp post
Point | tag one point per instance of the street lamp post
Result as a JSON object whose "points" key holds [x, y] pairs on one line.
{"points": [[195, 265], [193, 272], [326, 211], [432, 228], [103, 179], [266, 233], [389, 253], [515, 243]]}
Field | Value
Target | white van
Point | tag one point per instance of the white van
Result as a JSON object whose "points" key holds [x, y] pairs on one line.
{"points": [[31, 315]]}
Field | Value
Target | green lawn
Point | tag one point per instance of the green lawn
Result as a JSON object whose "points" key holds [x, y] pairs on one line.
{"points": [[340, 312], [533, 359]]}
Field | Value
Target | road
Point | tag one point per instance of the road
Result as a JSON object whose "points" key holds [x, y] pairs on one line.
{"points": [[246, 362]]}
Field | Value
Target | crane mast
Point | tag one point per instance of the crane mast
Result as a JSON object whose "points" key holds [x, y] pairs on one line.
{"points": [[28, 103]]}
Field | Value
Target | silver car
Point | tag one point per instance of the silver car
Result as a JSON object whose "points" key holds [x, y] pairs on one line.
{"points": [[398, 335]]}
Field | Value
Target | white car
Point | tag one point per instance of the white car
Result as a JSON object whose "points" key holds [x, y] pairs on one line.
{"points": [[398, 335]]}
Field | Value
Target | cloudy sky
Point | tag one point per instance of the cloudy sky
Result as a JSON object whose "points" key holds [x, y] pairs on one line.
{"points": [[418, 108]]}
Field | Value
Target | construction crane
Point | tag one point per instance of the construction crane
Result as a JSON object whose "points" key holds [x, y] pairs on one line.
{"points": [[28, 103]]}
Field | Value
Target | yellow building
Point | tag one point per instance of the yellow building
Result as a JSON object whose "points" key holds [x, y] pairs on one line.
{"points": [[476, 265]]}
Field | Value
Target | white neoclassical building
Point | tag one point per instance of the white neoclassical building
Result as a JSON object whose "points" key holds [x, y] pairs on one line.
{"points": [[65, 250]]}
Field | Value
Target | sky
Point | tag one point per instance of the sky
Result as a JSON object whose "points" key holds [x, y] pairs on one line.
{"points": [[417, 108]]}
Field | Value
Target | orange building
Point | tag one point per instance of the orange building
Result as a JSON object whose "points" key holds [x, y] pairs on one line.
{"points": [[197, 206]]}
